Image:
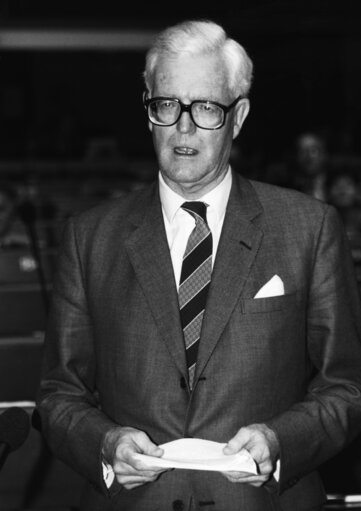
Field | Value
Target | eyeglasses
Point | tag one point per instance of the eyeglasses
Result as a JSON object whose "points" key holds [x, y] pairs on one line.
{"points": [[208, 115]]}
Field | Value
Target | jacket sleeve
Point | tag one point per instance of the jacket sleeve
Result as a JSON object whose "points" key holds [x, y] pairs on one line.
{"points": [[72, 421], [329, 417]]}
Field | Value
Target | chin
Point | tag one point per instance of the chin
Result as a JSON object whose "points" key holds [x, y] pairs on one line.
{"points": [[186, 175], [180, 170]]}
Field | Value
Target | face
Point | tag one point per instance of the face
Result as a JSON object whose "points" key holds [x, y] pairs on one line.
{"points": [[343, 191], [193, 160], [310, 154]]}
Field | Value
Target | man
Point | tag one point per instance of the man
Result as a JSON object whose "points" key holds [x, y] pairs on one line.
{"points": [[311, 165], [12, 230], [277, 367]]}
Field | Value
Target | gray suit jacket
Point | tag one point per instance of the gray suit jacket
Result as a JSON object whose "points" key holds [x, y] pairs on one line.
{"points": [[115, 351]]}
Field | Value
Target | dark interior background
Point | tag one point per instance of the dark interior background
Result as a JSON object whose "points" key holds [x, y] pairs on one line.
{"points": [[307, 76]]}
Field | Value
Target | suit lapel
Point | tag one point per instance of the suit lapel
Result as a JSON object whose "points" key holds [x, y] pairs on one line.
{"points": [[238, 246], [149, 254]]}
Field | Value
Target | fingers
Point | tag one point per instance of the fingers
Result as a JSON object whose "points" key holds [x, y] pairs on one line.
{"points": [[133, 442], [136, 474], [241, 477], [262, 444], [131, 477], [120, 446], [238, 442]]}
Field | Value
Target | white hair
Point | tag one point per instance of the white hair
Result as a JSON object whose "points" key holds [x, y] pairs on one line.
{"points": [[202, 37]]}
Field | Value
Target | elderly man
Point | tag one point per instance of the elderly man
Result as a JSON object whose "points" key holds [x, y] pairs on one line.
{"points": [[204, 306]]}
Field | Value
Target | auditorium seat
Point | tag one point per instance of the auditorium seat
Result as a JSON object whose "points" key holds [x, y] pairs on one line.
{"points": [[20, 366], [24, 291]]}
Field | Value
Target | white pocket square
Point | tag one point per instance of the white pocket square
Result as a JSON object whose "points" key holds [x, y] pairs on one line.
{"points": [[273, 287]]}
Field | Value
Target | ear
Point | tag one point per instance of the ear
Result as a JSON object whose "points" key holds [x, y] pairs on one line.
{"points": [[240, 114]]}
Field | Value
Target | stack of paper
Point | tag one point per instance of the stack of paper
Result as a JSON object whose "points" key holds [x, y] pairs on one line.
{"points": [[198, 454]]}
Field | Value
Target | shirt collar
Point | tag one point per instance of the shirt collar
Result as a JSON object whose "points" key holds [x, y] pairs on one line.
{"points": [[216, 199]]}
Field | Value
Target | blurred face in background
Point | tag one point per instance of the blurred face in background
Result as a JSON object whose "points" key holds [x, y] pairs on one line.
{"points": [[193, 160], [311, 154], [343, 191]]}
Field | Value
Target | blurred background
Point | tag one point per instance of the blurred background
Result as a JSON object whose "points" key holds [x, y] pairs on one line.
{"points": [[73, 132]]}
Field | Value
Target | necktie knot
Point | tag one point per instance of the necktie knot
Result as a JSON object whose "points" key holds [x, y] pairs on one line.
{"points": [[196, 208]]}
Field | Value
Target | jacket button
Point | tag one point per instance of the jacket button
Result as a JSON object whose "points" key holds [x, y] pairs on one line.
{"points": [[178, 505], [183, 383]]}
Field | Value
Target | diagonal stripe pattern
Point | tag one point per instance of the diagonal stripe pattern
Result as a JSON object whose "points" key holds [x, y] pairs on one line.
{"points": [[194, 282]]}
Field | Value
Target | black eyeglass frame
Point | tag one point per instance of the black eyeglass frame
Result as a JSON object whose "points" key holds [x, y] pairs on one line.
{"points": [[188, 108]]}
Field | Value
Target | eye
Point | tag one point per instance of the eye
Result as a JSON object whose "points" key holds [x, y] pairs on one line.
{"points": [[207, 108], [166, 104]]}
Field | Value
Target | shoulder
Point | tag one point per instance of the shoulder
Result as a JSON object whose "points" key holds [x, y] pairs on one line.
{"points": [[116, 212], [270, 194], [290, 204], [289, 211]]}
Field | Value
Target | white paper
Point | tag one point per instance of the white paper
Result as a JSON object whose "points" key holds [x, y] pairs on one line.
{"points": [[198, 454], [273, 287]]}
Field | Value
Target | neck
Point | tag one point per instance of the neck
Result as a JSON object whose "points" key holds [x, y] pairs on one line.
{"points": [[193, 191]]}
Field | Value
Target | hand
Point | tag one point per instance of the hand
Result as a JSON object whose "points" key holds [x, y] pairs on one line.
{"points": [[119, 446], [262, 444]]}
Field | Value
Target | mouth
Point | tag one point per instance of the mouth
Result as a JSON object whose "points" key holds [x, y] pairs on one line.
{"points": [[185, 151]]}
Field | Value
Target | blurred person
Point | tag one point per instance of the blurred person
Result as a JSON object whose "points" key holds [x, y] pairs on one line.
{"points": [[206, 306], [343, 194], [342, 190], [304, 168], [12, 230], [310, 173]]}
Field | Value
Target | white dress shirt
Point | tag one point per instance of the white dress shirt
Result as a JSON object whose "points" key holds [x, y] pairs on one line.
{"points": [[179, 224]]}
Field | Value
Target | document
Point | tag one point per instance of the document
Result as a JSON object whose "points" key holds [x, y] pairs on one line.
{"points": [[199, 454]]}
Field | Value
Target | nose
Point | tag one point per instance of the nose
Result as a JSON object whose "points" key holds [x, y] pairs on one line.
{"points": [[185, 123]]}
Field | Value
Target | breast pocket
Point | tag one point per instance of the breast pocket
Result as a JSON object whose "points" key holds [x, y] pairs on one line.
{"points": [[271, 304]]}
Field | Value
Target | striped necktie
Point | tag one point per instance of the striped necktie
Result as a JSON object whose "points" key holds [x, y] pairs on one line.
{"points": [[194, 282]]}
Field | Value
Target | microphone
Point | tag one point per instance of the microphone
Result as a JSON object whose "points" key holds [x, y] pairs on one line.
{"points": [[14, 430]]}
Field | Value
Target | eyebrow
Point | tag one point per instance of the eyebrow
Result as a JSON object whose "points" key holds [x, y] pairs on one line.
{"points": [[205, 99]]}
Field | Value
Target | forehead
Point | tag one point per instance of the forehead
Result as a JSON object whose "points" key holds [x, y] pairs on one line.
{"points": [[309, 141], [192, 76]]}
